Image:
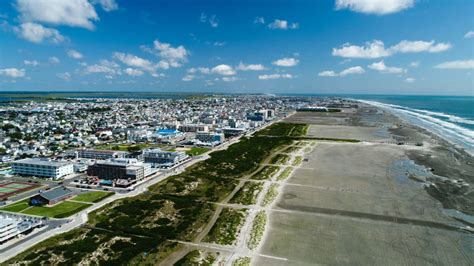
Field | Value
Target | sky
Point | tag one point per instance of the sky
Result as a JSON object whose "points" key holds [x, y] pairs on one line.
{"points": [[246, 46]]}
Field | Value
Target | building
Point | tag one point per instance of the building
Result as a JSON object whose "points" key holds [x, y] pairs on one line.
{"points": [[193, 128], [164, 159], [210, 137], [170, 136], [95, 154], [51, 197], [12, 225], [42, 167], [120, 168]]}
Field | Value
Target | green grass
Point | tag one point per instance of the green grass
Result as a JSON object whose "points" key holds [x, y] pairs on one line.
{"points": [[297, 161], [227, 227], [248, 193], [284, 129], [17, 206], [280, 159], [258, 228], [195, 151], [284, 174], [242, 261], [266, 173], [93, 197], [196, 258], [271, 194], [60, 210]]}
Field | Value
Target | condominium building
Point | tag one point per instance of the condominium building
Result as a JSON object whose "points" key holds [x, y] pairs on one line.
{"points": [[210, 137], [95, 154], [120, 168], [160, 158], [11, 225], [42, 167]]}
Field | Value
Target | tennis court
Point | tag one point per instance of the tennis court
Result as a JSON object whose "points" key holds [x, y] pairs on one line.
{"points": [[10, 188]]}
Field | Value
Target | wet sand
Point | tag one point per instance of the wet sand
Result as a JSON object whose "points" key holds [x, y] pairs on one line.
{"points": [[358, 203]]}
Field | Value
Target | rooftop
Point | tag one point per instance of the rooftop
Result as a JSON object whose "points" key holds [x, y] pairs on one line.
{"points": [[42, 161]]}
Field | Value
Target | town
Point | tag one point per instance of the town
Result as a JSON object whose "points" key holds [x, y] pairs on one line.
{"points": [[63, 158]]}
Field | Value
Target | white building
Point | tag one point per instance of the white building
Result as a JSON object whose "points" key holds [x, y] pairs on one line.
{"points": [[160, 158], [11, 225], [42, 167]]}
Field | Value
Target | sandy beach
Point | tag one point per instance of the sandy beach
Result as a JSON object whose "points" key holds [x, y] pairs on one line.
{"points": [[373, 202]]}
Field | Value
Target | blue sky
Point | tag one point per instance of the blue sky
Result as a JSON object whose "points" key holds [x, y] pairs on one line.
{"points": [[303, 46]]}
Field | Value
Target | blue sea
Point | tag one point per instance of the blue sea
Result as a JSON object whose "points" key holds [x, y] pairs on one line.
{"points": [[451, 117]]}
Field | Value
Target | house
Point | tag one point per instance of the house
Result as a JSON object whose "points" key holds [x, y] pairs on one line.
{"points": [[52, 196]]}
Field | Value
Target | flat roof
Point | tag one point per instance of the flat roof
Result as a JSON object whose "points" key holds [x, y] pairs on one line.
{"points": [[41, 161]]}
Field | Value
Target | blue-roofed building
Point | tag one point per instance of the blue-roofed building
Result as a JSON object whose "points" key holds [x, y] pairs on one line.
{"points": [[52, 196]]}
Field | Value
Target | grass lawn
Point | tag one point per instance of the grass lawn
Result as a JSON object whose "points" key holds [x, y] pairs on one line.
{"points": [[17, 206], [197, 151], [93, 197], [61, 210]]}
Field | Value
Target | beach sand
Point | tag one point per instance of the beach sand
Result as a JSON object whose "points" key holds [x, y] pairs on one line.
{"points": [[363, 203]]}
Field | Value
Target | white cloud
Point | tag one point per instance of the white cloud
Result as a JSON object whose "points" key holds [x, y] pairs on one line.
{"points": [[469, 34], [54, 60], [74, 13], [259, 20], [378, 7], [419, 46], [275, 76], [282, 25], [172, 56], [202, 70], [30, 63], [92, 69], [345, 72], [286, 62], [107, 5], [458, 64], [376, 49], [409, 80], [13, 72], [64, 76], [224, 70], [212, 20], [74, 54], [373, 49], [250, 67], [381, 67], [415, 64], [219, 43], [327, 73], [230, 79], [188, 78], [133, 72], [135, 61], [36, 33]]}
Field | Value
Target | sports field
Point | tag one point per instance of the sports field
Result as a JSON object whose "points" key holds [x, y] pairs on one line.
{"points": [[10, 188], [60, 210]]}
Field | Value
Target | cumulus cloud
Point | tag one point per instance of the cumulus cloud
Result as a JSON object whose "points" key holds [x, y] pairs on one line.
{"points": [[469, 34], [133, 72], [279, 24], [64, 76], [259, 20], [419, 46], [105, 66], [250, 67], [345, 72], [409, 80], [458, 64], [275, 76], [135, 61], [74, 13], [415, 64], [224, 70], [188, 78], [30, 62], [74, 54], [171, 56], [36, 33], [377, 7], [376, 49], [13, 72], [286, 62], [54, 60], [327, 73], [202, 70], [381, 67]]}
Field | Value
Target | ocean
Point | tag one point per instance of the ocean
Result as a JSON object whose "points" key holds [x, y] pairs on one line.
{"points": [[451, 117]]}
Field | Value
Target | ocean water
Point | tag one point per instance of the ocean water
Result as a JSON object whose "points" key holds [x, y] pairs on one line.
{"points": [[451, 117]]}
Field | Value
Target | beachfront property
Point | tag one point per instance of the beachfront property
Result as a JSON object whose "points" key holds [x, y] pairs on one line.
{"points": [[42, 167], [193, 128], [12, 225], [95, 154], [120, 168], [169, 136], [212, 138], [164, 159], [51, 197]]}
